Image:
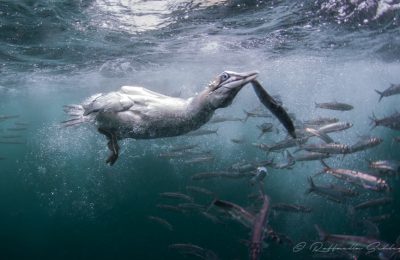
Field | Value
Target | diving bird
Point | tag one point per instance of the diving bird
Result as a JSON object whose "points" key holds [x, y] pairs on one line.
{"points": [[138, 113]]}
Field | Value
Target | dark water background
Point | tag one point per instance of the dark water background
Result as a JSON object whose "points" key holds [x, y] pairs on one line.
{"points": [[58, 198]]}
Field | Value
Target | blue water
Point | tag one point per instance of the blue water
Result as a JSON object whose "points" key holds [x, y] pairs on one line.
{"points": [[58, 198]]}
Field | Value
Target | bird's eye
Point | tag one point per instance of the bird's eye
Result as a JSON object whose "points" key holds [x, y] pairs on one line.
{"points": [[224, 76]]}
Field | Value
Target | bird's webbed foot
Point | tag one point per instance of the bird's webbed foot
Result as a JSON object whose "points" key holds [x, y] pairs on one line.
{"points": [[112, 146]]}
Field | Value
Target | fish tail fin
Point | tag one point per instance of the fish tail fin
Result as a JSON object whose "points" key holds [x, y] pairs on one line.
{"points": [[324, 164], [213, 201], [216, 131], [321, 233], [374, 121], [312, 186], [380, 95], [262, 133], [316, 104]]}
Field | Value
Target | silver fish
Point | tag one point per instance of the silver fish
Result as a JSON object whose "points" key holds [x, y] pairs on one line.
{"points": [[162, 222], [274, 107], [331, 148], [391, 166], [374, 203], [366, 143], [311, 156], [320, 121], [328, 192], [259, 229], [392, 121], [192, 207], [392, 90], [199, 190], [291, 207], [255, 114], [334, 106], [220, 119], [321, 134], [5, 117], [237, 140], [199, 159], [236, 212], [183, 148], [176, 195], [334, 127], [171, 208], [286, 143], [207, 175], [365, 180]]}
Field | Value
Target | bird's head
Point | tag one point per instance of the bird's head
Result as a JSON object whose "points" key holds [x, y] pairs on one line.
{"points": [[224, 88]]}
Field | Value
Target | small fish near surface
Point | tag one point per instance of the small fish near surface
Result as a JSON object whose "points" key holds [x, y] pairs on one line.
{"points": [[283, 144], [199, 159], [255, 114], [392, 90], [390, 166], [320, 121], [335, 127], [200, 190], [334, 106], [259, 229], [6, 117], [311, 156], [162, 222], [291, 207], [330, 148], [362, 179], [275, 108], [176, 195], [374, 203], [320, 134], [220, 119], [392, 121], [328, 191], [366, 143], [236, 212], [183, 148]]}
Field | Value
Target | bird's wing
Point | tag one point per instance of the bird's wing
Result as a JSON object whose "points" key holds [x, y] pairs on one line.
{"points": [[141, 92], [110, 102]]}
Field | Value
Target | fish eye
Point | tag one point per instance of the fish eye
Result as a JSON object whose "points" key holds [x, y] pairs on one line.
{"points": [[224, 76]]}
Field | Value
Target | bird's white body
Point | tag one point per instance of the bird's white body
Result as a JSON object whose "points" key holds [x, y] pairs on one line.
{"points": [[139, 113], [136, 112]]}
